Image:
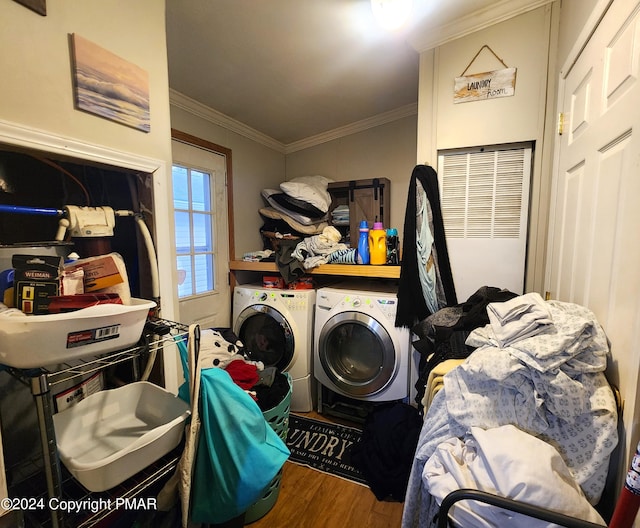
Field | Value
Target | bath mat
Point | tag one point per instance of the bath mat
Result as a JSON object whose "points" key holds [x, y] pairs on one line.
{"points": [[324, 446]]}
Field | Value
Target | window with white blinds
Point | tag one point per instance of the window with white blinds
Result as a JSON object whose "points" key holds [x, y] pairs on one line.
{"points": [[482, 191]]}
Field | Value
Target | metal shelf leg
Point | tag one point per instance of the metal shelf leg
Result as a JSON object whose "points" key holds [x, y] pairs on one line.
{"points": [[44, 408]]}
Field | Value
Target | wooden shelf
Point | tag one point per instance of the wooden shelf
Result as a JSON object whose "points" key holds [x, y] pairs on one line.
{"points": [[347, 270]]}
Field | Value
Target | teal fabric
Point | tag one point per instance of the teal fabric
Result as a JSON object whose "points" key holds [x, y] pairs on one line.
{"points": [[183, 390], [238, 453]]}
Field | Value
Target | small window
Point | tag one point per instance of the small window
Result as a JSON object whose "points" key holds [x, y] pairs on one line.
{"points": [[194, 217]]}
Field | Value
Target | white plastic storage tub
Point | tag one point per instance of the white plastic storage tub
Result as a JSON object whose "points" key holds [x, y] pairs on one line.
{"points": [[31, 341], [110, 436]]}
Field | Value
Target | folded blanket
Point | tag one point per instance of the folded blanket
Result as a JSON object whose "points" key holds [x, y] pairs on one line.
{"points": [[312, 229], [521, 317]]}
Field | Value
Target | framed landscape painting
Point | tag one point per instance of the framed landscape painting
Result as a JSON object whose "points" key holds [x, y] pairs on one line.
{"points": [[109, 86]]}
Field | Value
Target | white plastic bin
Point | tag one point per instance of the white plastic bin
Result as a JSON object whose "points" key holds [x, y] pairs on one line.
{"points": [[110, 436], [30, 341]]}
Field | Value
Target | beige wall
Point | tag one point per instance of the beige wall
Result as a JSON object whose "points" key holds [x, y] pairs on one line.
{"points": [[37, 109], [36, 88], [521, 43], [385, 151], [255, 167], [36, 93], [524, 42]]}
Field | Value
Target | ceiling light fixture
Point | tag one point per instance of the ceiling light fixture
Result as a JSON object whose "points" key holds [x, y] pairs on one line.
{"points": [[391, 14]]}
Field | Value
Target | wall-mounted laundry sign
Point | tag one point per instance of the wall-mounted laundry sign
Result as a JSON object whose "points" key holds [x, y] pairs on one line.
{"points": [[485, 85]]}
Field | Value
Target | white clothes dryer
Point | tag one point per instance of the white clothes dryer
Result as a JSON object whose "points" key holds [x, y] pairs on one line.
{"points": [[276, 327], [358, 351]]}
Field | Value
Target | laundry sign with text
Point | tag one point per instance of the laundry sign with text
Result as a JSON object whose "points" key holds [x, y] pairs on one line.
{"points": [[487, 85]]}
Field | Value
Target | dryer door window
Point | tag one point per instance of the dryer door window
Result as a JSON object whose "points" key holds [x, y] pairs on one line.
{"points": [[357, 353], [266, 336]]}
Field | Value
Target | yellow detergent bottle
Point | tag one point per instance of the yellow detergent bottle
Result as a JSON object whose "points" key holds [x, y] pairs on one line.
{"points": [[377, 244]]}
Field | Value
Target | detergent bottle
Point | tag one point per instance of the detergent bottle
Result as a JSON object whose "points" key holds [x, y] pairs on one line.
{"points": [[363, 243], [393, 258], [378, 244]]}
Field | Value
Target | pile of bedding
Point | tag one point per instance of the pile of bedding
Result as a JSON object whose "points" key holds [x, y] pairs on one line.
{"points": [[538, 366], [298, 208]]}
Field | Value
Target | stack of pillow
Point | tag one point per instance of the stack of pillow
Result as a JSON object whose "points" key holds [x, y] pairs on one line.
{"points": [[298, 208]]}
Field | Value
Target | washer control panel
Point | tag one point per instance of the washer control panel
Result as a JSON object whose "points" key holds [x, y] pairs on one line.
{"points": [[293, 300]]}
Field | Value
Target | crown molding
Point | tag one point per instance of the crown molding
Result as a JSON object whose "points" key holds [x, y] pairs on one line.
{"points": [[429, 38], [353, 128], [218, 118]]}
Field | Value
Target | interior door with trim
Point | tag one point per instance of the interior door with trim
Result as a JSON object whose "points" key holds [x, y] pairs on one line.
{"points": [[593, 257], [201, 223]]}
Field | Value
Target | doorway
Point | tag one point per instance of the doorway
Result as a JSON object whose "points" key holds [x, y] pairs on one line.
{"points": [[201, 219], [593, 254]]}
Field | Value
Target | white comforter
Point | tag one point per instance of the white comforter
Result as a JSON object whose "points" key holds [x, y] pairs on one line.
{"points": [[511, 463], [550, 385]]}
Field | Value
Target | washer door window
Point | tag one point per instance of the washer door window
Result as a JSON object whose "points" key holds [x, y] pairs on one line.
{"points": [[357, 353], [266, 336]]}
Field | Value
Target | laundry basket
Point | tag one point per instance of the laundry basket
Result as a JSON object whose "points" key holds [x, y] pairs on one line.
{"points": [[278, 419]]}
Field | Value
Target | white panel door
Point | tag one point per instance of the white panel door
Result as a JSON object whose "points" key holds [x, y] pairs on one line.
{"points": [[594, 251]]}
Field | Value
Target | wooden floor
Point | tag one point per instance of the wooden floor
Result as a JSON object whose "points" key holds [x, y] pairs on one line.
{"points": [[311, 499]]}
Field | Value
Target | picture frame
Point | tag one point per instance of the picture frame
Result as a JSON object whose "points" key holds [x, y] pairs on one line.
{"points": [[39, 6], [109, 86]]}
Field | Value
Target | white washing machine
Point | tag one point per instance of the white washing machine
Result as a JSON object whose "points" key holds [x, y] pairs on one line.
{"points": [[276, 327], [358, 351]]}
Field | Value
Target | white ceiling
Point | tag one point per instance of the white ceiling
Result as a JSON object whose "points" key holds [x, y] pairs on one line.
{"points": [[293, 69]]}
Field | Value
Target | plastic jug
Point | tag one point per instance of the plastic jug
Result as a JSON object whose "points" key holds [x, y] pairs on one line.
{"points": [[363, 243], [392, 247], [378, 244]]}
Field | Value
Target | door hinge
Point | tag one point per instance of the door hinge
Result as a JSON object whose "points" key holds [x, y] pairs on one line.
{"points": [[547, 296], [560, 123]]}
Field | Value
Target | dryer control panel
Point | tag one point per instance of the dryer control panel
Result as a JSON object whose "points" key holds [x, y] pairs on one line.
{"points": [[366, 303], [388, 307]]}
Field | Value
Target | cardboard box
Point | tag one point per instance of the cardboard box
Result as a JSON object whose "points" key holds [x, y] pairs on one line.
{"points": [[36, 279], [99, 272]]}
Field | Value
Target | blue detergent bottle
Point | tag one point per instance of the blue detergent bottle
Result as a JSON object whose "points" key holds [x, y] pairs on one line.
{"points": [[363, 243]]}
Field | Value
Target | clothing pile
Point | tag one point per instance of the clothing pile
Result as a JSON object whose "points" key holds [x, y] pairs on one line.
{"points": [[340, 215], [442, 335], [298, 208], [222, 349], [294, 258], [539, 367]]}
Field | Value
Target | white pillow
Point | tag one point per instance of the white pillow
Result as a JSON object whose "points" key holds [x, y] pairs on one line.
{"points": [[311, 189]]}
